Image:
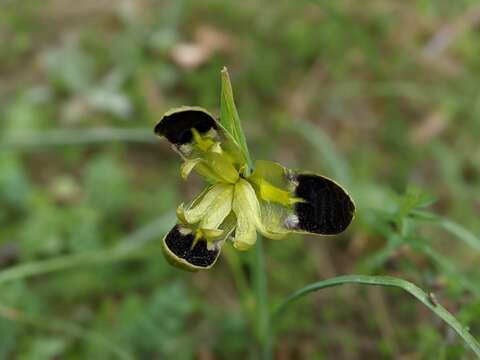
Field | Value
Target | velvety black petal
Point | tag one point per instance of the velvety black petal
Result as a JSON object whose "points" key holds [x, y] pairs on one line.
{"points": [[177, 125], [327, 209], [180, 246]]}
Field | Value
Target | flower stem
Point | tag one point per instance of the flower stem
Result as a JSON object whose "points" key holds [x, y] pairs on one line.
{"points": [[263, 324]]}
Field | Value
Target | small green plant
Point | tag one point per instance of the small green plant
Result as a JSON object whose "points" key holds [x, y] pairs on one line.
{"points": [[244, 198]]}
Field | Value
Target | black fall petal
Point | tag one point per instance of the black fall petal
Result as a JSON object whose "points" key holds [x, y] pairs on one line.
{"points": [[181, 246], [327, 209], [176, 127]]}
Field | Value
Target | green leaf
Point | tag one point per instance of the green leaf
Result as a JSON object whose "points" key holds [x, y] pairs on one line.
{"points": [[452, 227], [388, 281], [462, 233], [331, 158], [447, 267], [229, 116], [414, 198]]}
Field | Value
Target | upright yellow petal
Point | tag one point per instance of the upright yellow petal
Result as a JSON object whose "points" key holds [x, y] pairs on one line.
{"points": [[247, 210], [219, 210], [222, 167]]}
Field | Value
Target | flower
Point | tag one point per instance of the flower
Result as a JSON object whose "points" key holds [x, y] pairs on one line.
{"points": [[240, 201]]}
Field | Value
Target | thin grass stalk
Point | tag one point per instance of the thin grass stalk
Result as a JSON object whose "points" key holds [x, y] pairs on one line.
{"points": [[263, 323]]}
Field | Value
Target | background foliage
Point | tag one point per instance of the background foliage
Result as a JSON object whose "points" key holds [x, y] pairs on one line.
{"points": [[380, 95]]}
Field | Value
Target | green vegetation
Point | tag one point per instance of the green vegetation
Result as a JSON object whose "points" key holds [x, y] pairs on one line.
{"points": [[379, 95]]}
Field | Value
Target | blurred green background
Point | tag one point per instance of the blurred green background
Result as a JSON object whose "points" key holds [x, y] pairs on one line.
{"points": [[381, 95]]}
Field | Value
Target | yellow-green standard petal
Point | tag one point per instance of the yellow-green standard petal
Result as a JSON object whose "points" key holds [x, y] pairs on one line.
{"points": [[219, 210], [247, 210], [221, 167]]}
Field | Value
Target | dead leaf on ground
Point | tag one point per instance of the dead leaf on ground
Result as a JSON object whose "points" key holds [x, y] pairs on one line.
{"points": [[432, 126], [207, 42]]}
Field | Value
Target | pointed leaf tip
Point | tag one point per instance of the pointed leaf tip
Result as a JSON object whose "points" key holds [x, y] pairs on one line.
{"points": [[229, 117]]}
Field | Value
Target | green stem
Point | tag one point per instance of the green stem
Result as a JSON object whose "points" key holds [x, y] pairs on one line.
{"points": [[264, 332], [245, 292]]}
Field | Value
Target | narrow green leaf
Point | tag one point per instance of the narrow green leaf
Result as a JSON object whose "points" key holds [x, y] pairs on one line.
{"points": [[462, 233], [447, 266], [452, 227], [64, 327], [422, 215], [377, 259], [388, 281], [66, 137], [229, 116], [333, 160], [130, 247]]}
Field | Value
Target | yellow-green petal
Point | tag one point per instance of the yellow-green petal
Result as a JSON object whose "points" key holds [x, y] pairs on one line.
{"points": [[196, 249], [188, 166], [219, 210], [206, 201], [212, 234], [273, 189], [221, 167], [247, 210], [272, 220], [300, 202], [182, 250], [178, 126], [181, 214]]}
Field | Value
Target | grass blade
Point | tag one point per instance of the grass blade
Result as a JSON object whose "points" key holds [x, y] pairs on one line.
{"points": [[64, 327], [387, 281], [130, 247], [449, 268], [460, 232], [63, 137], [335, 163], [374, 261], [452, 227]]}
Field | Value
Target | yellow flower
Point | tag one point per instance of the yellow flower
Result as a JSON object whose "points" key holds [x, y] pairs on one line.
{"points": [[240, 201]]}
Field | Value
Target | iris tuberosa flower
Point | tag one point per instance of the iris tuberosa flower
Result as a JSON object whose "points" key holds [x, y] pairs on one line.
{"points": [[241, 201]]}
